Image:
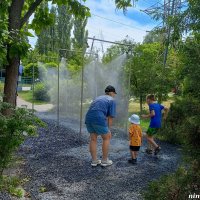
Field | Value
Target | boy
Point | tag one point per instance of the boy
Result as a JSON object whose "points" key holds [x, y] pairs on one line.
{"points": [[135, 137], [155, 113]]}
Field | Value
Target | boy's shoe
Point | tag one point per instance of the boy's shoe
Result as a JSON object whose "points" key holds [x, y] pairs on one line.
{"points": [[149, 151], [157, 150], [130, 160], [95, 163], [133, 161], [105, 163]]}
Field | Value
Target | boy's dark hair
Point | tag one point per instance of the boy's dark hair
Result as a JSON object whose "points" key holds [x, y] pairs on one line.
{"points": [[110, 88], [151, 97]]}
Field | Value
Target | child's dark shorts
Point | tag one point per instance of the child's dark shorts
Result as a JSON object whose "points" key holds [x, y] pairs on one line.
{"points": [[134, 148]]}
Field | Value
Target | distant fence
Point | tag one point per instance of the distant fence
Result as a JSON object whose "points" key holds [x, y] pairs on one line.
{"points": [[24, 80], [2, 79]]}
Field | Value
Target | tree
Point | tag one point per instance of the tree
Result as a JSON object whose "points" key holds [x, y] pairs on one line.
{"points": [[152, 37], [117, 49], [80, 34], [44, 38], [144, 68], [64, 27], [53, 31]]}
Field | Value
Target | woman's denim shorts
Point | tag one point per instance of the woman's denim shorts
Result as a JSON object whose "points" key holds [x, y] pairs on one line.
{"points": [[98, 129]]}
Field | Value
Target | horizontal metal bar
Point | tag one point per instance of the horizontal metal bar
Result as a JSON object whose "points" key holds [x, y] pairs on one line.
{"points": [[78, 51], [109, 41]]}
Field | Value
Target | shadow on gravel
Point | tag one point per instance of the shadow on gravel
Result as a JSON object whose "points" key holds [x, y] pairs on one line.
{"points": [[58, 165]]}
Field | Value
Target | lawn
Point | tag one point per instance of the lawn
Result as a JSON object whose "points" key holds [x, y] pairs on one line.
{"points": [[1, 87], [28, 96]]}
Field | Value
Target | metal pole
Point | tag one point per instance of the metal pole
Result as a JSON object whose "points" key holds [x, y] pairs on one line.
{"points": [[81, 109], [128, 98], [82, 82], [92, 44], [95, 75], [33, 87], [58, 96]]}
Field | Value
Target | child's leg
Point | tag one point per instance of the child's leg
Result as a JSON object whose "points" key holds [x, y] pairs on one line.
{"points": [[149, 145], [151, 141], [135, 154]]}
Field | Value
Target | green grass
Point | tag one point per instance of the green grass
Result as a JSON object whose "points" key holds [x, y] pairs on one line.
{"points": [[144, 124], [28, 96], [1, 87], [10, 184]]}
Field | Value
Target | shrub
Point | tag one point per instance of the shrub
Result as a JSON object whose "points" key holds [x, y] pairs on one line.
{"points": [[28, 70], [41, 92], [40, 70], [183, 125], [13, 131], [176, 186]]}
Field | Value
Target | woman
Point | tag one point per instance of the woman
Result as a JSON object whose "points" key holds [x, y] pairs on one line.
{"points": [[98, 122]]}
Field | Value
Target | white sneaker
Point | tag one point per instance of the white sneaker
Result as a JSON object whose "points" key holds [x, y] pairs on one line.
{"points": [[106, 163], [95, 163]]}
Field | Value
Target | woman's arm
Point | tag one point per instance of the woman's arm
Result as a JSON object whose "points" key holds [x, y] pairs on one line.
{"points": [[110, 120]]}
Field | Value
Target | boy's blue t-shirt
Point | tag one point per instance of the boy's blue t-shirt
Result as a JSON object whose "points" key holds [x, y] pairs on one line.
{"points": [[157, 119], [102, 107]]}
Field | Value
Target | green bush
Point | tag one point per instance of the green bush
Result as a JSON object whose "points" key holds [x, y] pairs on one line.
{"points": [[41, 92], [183, 124], [176, 186], [14, 129], [28, 70], [40, 70], [51, 64]]}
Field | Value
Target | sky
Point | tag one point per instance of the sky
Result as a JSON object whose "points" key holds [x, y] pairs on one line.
{"points": [[103, 14], [110, 24]]}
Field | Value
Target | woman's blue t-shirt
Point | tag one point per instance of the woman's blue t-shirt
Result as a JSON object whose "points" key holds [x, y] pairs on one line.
{"points": [[102, 107], [157, 119]]}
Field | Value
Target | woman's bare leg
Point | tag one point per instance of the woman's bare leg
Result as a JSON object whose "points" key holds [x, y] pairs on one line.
{"points": [[93, 145], [105, 146]]}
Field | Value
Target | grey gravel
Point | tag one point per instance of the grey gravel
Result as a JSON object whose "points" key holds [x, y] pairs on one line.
{"points": [[58, 160]]}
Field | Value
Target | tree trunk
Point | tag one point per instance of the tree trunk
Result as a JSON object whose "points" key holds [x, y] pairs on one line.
{"points": [[141, 103], [11, 78], [159, 97]]}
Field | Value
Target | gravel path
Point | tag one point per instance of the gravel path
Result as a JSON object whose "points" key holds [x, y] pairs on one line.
{"points": [[38, 108], [58, 163]]}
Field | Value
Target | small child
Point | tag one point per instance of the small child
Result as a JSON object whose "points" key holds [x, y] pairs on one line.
{"points": [[135, 137]]}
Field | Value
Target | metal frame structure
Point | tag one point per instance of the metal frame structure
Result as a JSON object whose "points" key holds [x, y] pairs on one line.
{"points": [[62, 53]]}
